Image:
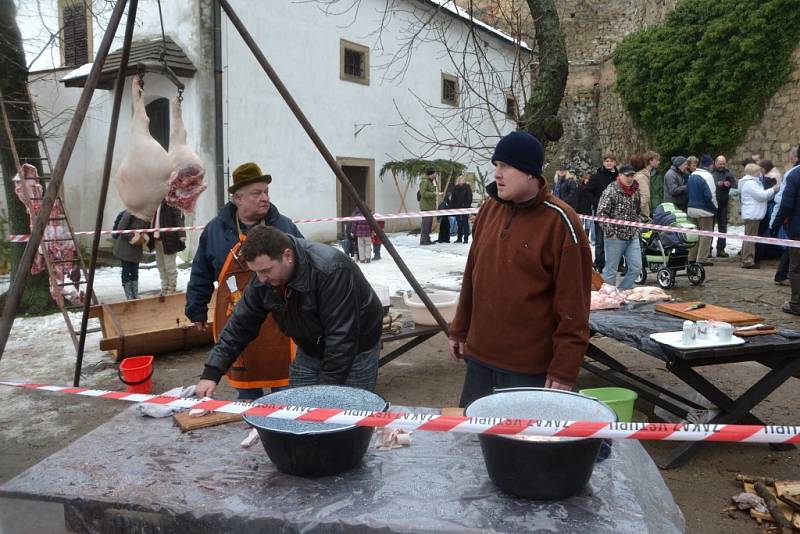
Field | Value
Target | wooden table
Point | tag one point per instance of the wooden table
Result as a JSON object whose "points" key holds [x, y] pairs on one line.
{"points": [[633, 324], [416, 335]]}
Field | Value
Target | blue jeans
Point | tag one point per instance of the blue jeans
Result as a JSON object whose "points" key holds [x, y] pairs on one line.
{"points": [[482, 381], [631, 251], [305, 370]]}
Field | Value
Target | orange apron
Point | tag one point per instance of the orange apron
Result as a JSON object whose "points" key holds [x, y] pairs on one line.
{"points": [[265, 361]]}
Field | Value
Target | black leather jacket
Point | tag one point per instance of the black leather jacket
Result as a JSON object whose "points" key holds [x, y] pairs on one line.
{"points": [[330, 311]]}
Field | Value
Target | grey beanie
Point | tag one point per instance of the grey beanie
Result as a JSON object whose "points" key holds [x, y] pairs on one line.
{"points": [[678, 161]]}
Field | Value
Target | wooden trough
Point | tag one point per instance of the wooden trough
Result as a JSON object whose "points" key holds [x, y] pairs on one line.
{"points": [[152, 325]]}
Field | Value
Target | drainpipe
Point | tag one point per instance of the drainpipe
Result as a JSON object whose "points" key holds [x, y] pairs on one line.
{"points": [[218, 120]]}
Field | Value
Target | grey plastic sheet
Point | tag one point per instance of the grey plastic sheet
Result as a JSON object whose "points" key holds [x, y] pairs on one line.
{"points": [[139, 474]]}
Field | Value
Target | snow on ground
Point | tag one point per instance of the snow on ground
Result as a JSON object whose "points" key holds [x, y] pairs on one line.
{"points": [[40, 347]]}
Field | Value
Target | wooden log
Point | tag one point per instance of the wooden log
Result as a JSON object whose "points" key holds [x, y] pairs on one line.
{"points": [[774, 509]]}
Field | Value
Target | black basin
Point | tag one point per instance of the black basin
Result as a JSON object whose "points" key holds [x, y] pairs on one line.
{"points": [[540, 470], [316, 449]]}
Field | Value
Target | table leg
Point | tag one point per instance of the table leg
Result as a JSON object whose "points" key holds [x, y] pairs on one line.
{"points": [[405, 347], [733, 411]]}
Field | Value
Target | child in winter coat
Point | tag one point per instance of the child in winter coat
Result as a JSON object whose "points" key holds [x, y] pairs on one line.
{"points": [[363, 233], [128, 249]]}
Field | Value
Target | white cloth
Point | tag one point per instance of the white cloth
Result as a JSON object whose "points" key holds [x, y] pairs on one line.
{"points": [[754, 198]]}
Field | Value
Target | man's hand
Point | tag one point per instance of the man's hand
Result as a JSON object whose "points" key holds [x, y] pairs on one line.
{"points": [[552, 383], [201, 326], [456, 347], [205, 388]]}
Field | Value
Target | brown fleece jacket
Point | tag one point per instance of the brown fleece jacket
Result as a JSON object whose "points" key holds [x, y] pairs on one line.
{"points": [[524, 304]]}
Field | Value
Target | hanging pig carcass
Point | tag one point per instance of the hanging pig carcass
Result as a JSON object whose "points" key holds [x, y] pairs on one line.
{"points": [[143, 177], [65, 272], [186, 180]]}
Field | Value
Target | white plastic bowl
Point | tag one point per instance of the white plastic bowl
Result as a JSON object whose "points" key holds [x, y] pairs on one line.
{"points": [[445, 302]]}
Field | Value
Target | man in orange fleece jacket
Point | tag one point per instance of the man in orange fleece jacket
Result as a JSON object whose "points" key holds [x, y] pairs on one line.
{"points": [[523, 314]]}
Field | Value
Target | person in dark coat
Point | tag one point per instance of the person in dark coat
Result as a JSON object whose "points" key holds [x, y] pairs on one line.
{"points": [[128, 249], [167, 245], [249, 206], [319, 298], [598, 183], [725, 182], [444, 222], [789, 216], [462, 198]]}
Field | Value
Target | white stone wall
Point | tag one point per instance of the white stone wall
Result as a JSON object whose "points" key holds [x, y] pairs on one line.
{"points": [[302, 44]]}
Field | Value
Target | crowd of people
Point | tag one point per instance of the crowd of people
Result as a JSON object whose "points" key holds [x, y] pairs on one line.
{"points": [[700, 187]]}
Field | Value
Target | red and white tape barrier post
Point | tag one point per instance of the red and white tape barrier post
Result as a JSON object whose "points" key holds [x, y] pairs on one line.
{"points": [[783, 434], [461, 211]]}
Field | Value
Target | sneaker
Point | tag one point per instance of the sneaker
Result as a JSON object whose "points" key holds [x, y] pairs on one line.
{"points": [[789, 309], [783, 282], [751, 266], [722, 254]]}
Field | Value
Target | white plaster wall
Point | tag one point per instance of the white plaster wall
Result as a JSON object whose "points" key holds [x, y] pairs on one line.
{"points": [[56, 103], [302, 44]]}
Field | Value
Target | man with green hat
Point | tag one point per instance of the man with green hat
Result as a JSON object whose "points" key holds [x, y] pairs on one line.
{"points": [[216, 261]]}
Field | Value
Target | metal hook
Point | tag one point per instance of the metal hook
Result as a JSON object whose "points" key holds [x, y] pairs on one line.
{"points": [[180, 94]]}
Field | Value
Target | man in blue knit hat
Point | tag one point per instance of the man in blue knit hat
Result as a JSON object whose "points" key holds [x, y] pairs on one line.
{"points": [[523, 312]]}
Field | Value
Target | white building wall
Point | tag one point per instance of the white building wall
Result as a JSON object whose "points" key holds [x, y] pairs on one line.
{"points": [[302, 44], [56, 103]]}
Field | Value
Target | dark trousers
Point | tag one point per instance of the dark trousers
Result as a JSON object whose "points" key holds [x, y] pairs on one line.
{"points": [[425, 230], [721, 218], [599, 248], [794, 277], [463, 228], [481, 381], [130, 271], [782, 272]]}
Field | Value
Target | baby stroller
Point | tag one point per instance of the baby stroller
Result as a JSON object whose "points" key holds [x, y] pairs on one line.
{"points": [[667, 253]]}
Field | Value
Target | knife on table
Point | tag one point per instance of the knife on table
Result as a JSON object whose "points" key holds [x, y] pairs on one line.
{"points": [[695, 307]]}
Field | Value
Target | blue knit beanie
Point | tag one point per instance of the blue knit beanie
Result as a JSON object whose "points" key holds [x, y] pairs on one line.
{"points": [[706, 161], [522, 151]]}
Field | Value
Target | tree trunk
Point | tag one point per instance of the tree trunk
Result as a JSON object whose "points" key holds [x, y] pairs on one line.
{"points": [[13, 79], [541, 110]]}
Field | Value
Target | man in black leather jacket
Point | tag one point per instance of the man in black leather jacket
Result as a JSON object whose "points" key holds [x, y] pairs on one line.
{"points": [[319, 298]]}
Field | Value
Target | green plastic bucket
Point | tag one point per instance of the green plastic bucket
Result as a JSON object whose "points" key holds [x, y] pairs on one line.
{"points": [[618, 399]]}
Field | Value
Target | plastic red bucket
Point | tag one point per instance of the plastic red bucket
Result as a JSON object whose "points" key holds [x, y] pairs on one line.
{"points": [[136, 373]]}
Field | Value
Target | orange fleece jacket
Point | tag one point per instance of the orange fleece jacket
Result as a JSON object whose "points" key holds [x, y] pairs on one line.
{"points": [[525, 297]]}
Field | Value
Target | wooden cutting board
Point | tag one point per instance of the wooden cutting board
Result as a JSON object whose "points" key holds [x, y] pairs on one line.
{"points": [[709, 313], [749, 333], [187, 422]]}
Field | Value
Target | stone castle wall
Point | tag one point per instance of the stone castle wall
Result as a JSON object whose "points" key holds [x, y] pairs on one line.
{"points": [[594, 119]]}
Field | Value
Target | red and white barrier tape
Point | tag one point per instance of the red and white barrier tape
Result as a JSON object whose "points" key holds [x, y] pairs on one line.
{"points": [[472, 425], [21, 238], [460, 211]]}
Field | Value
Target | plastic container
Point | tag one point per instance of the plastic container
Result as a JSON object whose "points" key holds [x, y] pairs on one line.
{"points": [[620, 400], [383, 294], [552, 469], [445, 302], [136, 372]]}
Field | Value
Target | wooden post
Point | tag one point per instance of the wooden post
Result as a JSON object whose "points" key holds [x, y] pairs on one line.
{"points": [[119, 89]]}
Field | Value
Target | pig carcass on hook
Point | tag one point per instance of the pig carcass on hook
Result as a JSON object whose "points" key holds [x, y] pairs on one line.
{"points": [[186, 180], [142, 178]]}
